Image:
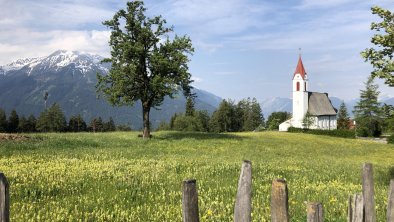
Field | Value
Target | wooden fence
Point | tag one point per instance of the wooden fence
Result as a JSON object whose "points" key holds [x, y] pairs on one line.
{"points": [[361, 206]]}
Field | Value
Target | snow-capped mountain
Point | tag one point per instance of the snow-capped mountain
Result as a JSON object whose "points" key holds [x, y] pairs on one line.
{"points": [[70, 77], [81, 62]]}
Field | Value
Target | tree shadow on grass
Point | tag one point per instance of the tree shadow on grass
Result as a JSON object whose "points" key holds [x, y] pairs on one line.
{"points": [[198, 136]]}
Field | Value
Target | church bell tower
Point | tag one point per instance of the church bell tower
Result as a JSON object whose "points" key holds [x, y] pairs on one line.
{"points": [[300, 94]]}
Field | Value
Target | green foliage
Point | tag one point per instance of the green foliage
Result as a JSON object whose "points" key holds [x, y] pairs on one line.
{"points": [[110, 125], [146, 64], [368, 113], [96, 125], [308, 120], [390, 139], [97, 177], [224, 118], [189, 110], [3, 121], [335, 133], [123, 127], [244, 116], [276, 118], [77, 124], [13, 122], [381, 57], [52, 120], [388, 118], [343, 117]]}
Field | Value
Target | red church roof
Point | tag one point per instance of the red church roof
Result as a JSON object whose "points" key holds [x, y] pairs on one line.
{"points": [[300, 68]]}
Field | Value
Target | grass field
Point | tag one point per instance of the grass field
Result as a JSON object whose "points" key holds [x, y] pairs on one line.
{"points": [[119, 177]]}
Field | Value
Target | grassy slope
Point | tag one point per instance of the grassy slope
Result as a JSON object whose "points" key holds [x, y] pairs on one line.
{"points": [[118, 177]]}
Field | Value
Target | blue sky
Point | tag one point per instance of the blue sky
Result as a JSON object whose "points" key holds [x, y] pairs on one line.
{"points": [[243, 48]]}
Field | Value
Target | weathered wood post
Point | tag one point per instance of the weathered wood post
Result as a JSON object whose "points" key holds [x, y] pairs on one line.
{"points": [[315, 212], [279, 201], [4, 199], [190, 201], [368, 193], [243, 202], [390, 203], [356, 208]]}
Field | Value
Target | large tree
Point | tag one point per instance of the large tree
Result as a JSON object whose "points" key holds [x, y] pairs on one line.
{"points": [[147, 64], [381, 57], [368, 113]]}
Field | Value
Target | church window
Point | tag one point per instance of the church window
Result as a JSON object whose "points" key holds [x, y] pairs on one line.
{"points": [[305, 86], [298, 86]]}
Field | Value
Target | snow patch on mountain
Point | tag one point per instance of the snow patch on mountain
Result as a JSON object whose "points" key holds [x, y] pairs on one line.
{"points": [[83, 62]]}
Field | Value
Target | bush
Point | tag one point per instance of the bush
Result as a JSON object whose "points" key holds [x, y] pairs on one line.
{"points": [[335, 133], [390, 139]]}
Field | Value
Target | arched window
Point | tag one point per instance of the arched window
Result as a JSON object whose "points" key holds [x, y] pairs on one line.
{"points": [[305, 87], [298, 86]]}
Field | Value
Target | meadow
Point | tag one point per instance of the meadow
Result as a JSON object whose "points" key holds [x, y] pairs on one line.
{"points": [[120, 177]]}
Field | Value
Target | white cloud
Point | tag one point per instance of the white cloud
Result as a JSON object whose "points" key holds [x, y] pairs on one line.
{"points": [[44, 43]]}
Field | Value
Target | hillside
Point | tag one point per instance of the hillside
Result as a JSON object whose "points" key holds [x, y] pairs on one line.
{"points": [[70, 78], [120, 177]]}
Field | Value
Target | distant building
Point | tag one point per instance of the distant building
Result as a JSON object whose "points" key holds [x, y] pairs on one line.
{"points": [[323, 114]]}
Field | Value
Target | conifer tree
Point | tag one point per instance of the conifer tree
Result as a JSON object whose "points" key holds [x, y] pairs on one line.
{"points": [[13, 122], [31, 124], [110, 125], [189, 109], [343, 117], [22, 126], [368, 113], [52, 120], [3, 121], [76, 124]]}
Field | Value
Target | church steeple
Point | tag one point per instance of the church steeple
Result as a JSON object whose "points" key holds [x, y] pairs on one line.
{"points": [[300, 68]]}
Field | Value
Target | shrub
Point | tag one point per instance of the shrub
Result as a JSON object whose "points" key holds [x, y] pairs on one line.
{"points": [[390, 139], [335, 133]]}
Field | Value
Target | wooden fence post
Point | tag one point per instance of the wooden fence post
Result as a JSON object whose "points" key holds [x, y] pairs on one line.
{"points": [[356, 208], [243, 202], [390, 203], [368, 193], [315, 212], [4, 199], [190, 201], [279, 201]]}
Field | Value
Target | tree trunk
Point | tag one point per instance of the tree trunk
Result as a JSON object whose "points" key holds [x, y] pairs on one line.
{"points": [[145, 118]]}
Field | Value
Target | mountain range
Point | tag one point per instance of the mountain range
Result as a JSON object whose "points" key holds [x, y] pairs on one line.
{"points": [[69, 77]]}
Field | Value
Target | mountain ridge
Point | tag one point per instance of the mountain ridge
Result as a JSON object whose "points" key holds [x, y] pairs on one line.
{"points": [[70, 78]]}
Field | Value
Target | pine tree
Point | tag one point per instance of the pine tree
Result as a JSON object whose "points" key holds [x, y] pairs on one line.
{"points": [[76, 124], [22, 126], [52, 120], [110, 125], [343, 117], [368, 113], [189, 109], [31, 124], [3, 121], [13, 122]]}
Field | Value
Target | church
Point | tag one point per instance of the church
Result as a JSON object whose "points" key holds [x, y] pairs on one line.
{"points": [[323, 115]]}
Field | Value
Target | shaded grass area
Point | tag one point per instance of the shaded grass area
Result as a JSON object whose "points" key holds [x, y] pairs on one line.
{"points": [[120, 177]]}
